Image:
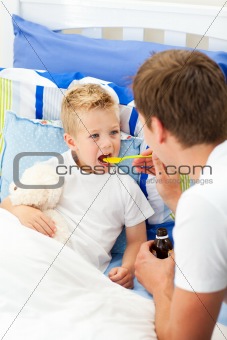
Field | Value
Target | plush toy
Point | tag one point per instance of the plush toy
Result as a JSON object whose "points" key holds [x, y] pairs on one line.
{"points": [[45, 199]]}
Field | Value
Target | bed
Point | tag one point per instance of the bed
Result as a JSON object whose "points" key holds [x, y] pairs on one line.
{"points": [[94, 41]]}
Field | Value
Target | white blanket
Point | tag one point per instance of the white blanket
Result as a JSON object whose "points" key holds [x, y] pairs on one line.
{"points": [[47, 292]]}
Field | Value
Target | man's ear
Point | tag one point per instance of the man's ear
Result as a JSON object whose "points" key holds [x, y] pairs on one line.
{"points": [[70, 141], [159, 130]]}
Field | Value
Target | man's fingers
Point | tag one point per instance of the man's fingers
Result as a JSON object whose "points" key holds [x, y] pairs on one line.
{"points": [[144, 165], [143, 253], [146, 152], [146, 245], [172, 255], [148, 169], [159, 167]]}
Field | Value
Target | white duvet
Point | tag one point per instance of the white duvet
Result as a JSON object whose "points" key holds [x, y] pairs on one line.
{"points": [[47, 292]]}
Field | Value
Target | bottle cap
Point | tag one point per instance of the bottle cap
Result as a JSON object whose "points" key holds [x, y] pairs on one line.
{"points": [[161, 232]]}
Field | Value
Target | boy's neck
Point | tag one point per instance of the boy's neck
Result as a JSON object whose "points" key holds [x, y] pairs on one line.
{"points": [[76, 160]]}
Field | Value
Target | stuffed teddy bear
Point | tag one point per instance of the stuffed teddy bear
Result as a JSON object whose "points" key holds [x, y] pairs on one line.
{"points": [[45, 199]]}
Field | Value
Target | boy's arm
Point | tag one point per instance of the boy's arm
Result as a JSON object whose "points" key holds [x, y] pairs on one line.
{"points": [[135, 237], [124, 275], [30, 217]]}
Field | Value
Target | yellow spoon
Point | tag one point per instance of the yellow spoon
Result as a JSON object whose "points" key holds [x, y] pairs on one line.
{"points": [[116, 160]]}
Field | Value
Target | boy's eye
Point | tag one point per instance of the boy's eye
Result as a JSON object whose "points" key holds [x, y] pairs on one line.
{"points": [[95, 135], [114, 132]]}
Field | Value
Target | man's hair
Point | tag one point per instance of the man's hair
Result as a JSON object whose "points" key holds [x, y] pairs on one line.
{"points": [[187, 92], [80, 100]]}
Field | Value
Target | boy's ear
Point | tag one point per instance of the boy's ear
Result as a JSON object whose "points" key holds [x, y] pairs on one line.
{"points": [[159, 130], [70, 141]]}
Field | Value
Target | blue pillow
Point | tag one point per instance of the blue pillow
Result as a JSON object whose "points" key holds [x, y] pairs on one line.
{"points": [[112, 60], [38, 94], [129, 146], [26, 135]]}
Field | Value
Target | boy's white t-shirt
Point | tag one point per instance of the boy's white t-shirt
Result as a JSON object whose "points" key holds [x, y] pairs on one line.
{"points": [[97, 207]]}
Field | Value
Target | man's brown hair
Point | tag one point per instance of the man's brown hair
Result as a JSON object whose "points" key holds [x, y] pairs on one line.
{"points": [[187, 92]]}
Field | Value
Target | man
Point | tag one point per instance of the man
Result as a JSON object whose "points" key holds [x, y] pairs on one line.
{"points": [[181, 97]]}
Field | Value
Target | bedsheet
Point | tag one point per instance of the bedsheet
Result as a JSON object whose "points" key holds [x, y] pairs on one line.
{"points": [[47, 292], [51, 292], [140, 290]]}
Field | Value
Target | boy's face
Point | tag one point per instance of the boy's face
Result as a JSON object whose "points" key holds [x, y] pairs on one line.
{"points": [[98, 134]]}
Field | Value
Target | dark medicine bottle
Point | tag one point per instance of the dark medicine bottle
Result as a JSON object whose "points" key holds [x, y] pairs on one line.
{"points": [[162, 246]]}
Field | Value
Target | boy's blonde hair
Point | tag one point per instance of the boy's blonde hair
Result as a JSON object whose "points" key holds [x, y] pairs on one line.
{"points": [[80, 100]]}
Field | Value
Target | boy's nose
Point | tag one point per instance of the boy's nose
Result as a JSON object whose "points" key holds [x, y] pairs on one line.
{"points": [[106, 144]]}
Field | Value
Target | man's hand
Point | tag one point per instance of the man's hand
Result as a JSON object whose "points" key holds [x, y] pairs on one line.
{"points": [[145, 165], [168, 184], [121, 276], [153, 273], [167, 178]]}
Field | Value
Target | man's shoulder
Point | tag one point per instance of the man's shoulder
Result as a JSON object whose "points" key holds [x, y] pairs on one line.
{"points": [[203, 202], [212, 189]]}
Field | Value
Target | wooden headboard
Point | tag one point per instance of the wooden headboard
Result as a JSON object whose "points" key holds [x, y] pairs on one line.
{"points": [[170, 23]]}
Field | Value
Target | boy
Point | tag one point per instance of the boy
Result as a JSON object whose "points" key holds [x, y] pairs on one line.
{"points": [[97, 201]]}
